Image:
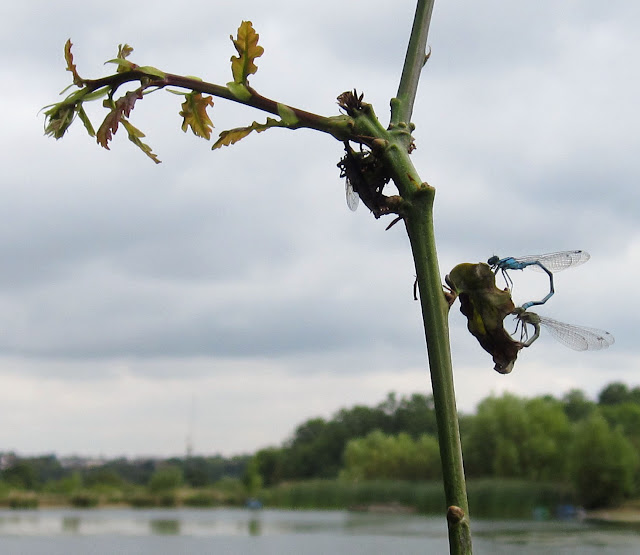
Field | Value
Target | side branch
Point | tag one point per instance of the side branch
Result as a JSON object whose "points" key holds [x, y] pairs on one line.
{"points": [[338, 126]]}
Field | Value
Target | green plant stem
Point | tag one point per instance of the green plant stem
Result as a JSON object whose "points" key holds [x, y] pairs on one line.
{"points": [[418, 217], [402, 105], [419, 223]]}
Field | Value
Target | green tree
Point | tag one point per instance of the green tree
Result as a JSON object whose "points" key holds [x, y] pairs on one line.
{"points": [[252, 479], [166, 479], [634, 395], [103, 477], [602, 463], [414, 415], [21, 475], [317, 446], [195, 472], [381, 456], [615, 393], [517, 438], [624, 416], [269, 462], [46, 467], [67, 486], [576, 405]]}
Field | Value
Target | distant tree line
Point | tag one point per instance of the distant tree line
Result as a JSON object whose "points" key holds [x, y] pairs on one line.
{"points": [[47, 472], [595, 445]]}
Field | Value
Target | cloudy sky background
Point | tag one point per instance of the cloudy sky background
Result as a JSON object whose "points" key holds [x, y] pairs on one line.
{"points": [[232, 294]]}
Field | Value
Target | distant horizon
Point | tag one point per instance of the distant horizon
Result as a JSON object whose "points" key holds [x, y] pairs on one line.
{"points": [[195, 454]]}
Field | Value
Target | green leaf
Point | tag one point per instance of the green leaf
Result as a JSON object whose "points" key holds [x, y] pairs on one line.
{"points": [[246, 44], [232, 136], [123, 65], [98, 93], [287, 114], [194, 112], [150, 70], [85, 119], [134, 136]]}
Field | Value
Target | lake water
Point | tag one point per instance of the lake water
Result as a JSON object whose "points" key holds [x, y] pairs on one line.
{"points": [[242, 532]]}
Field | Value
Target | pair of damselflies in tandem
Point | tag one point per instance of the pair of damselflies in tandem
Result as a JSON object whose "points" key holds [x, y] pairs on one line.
{"points": [[578, 338]]}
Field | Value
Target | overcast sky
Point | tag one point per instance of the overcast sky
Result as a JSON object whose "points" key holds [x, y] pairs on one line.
{"points": [[231, 295]]}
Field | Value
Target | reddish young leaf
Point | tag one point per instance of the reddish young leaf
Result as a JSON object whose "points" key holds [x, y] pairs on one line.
{"points": [[120, 109], [247, 46], [194, 112], [77, 80]]}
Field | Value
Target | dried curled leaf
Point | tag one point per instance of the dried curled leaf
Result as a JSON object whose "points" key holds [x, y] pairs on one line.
{"points": [[351, 102], [246, 44], [485, 307], [232, 136], [77, 80], [194, 112]]}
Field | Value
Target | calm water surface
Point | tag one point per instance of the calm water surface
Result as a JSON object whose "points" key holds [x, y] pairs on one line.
{"points": [[235, 532]]}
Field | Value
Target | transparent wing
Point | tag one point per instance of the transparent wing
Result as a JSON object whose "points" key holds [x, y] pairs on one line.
{"points": [[556, 261], [577, 337], [353, 199]]}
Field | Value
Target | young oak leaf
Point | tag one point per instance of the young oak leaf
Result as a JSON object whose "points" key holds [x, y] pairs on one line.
{"points": [[246, 44], [68, 56], [123, 52], [232, 136], [124, 65], [134, 137], [194, 113], [120, 109]]}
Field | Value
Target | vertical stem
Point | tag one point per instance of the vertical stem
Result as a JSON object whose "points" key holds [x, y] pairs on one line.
{"points": [[419, 222], [402, 105], [435, 309]]}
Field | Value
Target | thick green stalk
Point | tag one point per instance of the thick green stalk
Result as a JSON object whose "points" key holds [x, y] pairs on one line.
{"points": [[418, 218], [419, 223]]}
